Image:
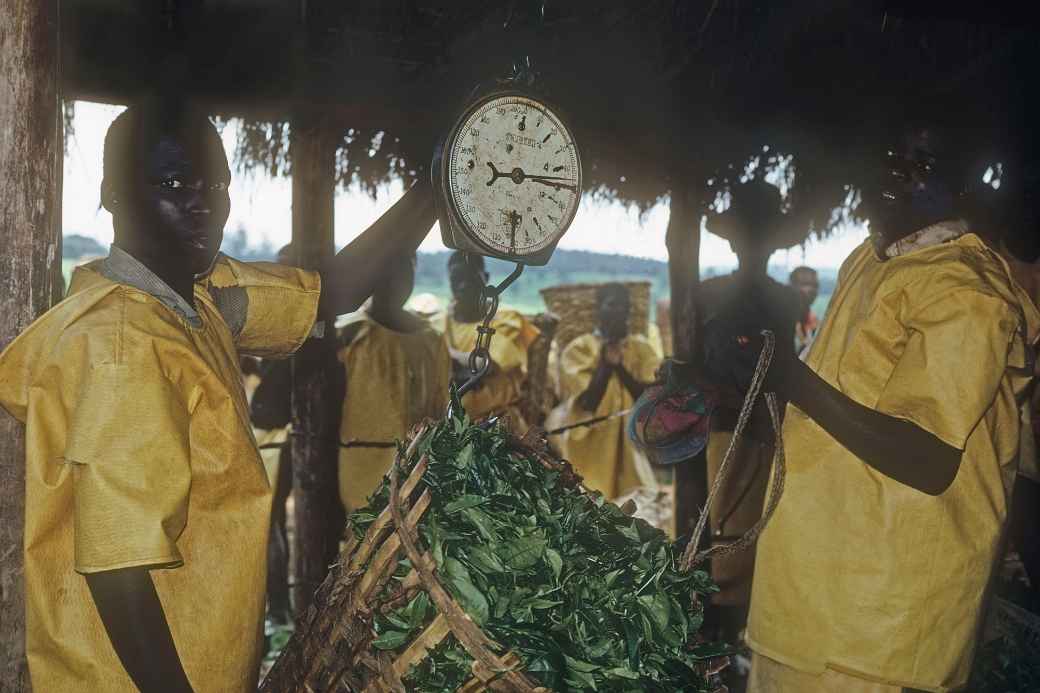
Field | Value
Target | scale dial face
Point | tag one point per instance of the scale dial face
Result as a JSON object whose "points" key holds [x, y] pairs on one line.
{"points": [[513, 175]]}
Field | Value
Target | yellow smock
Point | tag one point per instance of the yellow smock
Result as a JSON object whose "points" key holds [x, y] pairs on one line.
{"points": [[139, 453], [602, 453], [857, 572], [769, 676], [499, 392], [394, 381]]}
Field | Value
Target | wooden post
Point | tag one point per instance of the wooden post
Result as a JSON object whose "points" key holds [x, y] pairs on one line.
{"points": [[683, 239], [317, 392], [30, 200]]}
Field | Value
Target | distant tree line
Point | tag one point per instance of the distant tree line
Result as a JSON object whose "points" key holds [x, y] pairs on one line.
{"points": [[567, 267]]}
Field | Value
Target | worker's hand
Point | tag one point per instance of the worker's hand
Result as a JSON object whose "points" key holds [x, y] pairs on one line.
{"points": [[612, 353], [731, 352]]}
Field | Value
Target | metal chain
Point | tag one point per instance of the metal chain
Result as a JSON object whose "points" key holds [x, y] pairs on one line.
{"points": [[480, 357]]}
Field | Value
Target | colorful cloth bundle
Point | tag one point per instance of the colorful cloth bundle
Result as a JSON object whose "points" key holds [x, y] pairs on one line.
{"points": [[670, 421]]}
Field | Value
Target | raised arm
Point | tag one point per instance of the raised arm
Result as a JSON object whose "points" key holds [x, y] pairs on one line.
{"points": [[350, 277], [608, 364], [136, 625]]}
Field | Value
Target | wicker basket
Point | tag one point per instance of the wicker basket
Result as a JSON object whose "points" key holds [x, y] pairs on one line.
{"points": [[331, 649], [575, 304]]}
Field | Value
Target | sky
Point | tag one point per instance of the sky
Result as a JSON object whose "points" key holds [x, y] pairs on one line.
{"points": [[262, 205]]}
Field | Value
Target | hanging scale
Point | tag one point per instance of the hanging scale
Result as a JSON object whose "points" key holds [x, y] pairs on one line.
{"points": [[508, 182]]}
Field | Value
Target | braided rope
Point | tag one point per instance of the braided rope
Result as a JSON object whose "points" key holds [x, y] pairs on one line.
{"points": [[691, 557]]}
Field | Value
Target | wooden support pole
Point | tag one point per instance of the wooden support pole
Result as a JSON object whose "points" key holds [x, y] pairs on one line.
{"points": [[317, 391], [683, 239], [30, 258]]}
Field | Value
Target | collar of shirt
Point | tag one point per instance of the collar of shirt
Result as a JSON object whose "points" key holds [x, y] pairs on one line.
{"points": [[942, 232], [122, 267]]}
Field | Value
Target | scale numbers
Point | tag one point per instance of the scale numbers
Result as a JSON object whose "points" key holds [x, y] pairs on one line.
{"points": [[513, 175]]}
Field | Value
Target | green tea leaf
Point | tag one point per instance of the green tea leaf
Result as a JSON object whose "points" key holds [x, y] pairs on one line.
{"points": [[390, 640], [482, 521], [484, 559], [633, 639], [471, 598], [538, 603], [467, 501], [398, 620], [416, 610], [523, 552], [656, 606], [465, 457], [709, 650], [578, 665], [621, 673], [599, 649], [555, 562]]}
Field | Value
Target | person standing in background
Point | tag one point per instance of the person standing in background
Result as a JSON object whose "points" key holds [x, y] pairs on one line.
{"points": [[397, 374], [603, 373], [806, 282], [499, 391], [758, 302]]}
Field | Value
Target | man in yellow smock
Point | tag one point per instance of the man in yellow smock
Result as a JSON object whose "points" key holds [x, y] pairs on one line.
{"points": [[603, 373], [147, 504], [901, 437], [499, 392], [397, 374]]}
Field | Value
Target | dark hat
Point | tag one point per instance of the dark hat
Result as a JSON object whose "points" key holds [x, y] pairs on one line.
{"points": [[755, 214]]}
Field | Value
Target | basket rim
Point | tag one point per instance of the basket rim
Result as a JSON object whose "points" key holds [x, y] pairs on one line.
{"points": [[592, 285]]}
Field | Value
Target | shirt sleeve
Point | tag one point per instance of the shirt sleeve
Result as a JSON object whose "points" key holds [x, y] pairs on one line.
{"points": [[270, 308], [956, 354], [128, 446], [577, 364], [513, 335]]}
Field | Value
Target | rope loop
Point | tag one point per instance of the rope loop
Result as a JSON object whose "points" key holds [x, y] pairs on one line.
{"points": [[691, 557]]}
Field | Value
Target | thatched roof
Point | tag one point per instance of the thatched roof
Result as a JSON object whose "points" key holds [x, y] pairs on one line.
{"points": [[659, 91]]}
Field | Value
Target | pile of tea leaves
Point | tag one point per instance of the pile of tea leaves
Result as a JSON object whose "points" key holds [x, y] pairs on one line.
{"points": [[1009, 664], [589, 598]]}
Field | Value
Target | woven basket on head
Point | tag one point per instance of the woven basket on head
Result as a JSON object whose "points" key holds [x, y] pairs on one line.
{"points": [[575, 304]]}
